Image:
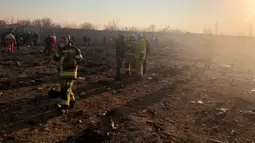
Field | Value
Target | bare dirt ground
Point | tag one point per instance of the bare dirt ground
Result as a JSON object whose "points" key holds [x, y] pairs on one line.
{"points": [[178, 101]]}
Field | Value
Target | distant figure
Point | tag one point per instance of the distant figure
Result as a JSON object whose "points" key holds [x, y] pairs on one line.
{"points": [[146, 55], [10, 42], [54, 39], [89, 41], [130, 55], [85, 40], [18, 39], [120, 53], [72, 38], [48, 41], [110, 43], [140, 53], [68, 36], [35, 37], [105, 40]]}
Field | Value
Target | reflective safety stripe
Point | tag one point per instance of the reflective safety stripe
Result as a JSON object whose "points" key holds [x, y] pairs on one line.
{"points": [[68, 74], [64, 102], [78, 57], [68, 51]]}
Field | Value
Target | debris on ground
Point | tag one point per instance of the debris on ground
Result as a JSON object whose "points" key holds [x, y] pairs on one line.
{"points": [[200, 102], [214, 141]]}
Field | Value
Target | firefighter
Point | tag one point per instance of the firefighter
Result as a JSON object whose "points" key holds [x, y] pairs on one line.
{"points": [[86, 40], [110, 43], [68, 57], [89, 41], [18, 39], [130, 55], [120, 53], [30, 40], [10, 42], [48, 41], [147, 51], [35, 37], [140, 53]]}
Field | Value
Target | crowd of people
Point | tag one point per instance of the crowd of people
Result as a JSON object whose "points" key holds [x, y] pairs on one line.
{"points": [[131, 51], [19, 39]]}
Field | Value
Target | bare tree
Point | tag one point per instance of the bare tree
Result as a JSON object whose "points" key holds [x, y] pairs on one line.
{"points": [[37, 23], [207, 30], [47, 22], [152, 28], [87, 26], [113, 25], [57, 26], [2, 23], [216, 28], [133, 29], [72, 26], [24, 22]]}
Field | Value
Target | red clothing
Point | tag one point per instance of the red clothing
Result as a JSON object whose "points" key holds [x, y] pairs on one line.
{"points": [[54, 39], [11, 43]]}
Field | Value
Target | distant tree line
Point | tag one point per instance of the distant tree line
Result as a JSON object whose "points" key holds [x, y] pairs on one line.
{"points": [[113, 25]]}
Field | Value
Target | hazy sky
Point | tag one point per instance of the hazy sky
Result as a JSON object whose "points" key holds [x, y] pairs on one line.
{"points": [[192, 15]]}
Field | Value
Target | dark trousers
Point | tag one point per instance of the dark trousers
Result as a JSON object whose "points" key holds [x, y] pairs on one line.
{"points": [[47, 49], [18, 45], [119, 61], [144, 65]]}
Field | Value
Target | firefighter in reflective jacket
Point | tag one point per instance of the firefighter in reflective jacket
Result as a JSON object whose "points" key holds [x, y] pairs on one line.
{"points": [[68, 57], [140, 53], [130, 55]]}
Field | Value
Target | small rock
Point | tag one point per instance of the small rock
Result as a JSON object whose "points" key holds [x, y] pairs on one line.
{"points": [[80, 121], [149, 78], [215, 141], [247, 112], [81, 78], [33, 81], [227, 66], [18, 63], [200, 102], [46, 129], [193, 102], [222, 109], [40, 88], [233, 132], [252, 90], [216, 128], [114, 92], [83, 93], [1, 93]]}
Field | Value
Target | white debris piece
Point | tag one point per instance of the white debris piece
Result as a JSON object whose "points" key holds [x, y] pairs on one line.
{"points": [[83, 93], [81, 78], [227, 66], [200, 102]]}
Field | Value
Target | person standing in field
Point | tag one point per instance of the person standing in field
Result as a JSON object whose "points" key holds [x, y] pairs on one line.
{"points": [[10, 42]]}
